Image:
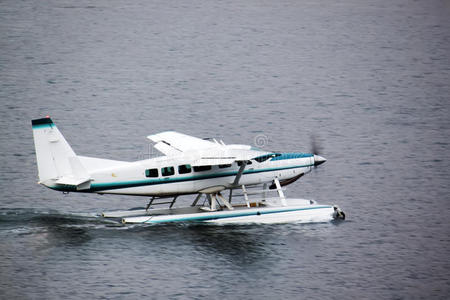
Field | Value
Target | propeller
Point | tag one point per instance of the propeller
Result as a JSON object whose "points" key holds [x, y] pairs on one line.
{"points": [[316, 149]]}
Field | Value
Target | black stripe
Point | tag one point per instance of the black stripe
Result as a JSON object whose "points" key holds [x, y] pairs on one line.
{"points": [[42, 121]]}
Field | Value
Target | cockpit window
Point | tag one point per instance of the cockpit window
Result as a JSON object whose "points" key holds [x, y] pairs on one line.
{"points": [[265, 157], [239, 163], [224, 166], [167, 171], [262, 158]]}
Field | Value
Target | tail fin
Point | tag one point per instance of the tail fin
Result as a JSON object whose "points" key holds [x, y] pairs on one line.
{"points": [[57, 162]]}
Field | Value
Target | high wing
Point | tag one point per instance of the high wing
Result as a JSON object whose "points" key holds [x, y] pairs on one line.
{"points": [[219, 156], [200, 152], [171, 142]]}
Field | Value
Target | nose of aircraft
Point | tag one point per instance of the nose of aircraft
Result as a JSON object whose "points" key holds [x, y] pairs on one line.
{"points": [[318, 160]]}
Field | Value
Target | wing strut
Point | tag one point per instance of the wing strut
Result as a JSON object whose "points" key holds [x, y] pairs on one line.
{"points": [[239, 173], [236, 179]]}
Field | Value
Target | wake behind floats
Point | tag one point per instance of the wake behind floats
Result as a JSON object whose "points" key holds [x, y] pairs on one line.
{"points": [[189, 165]]}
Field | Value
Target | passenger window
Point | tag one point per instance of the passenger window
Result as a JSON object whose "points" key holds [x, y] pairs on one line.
{"points": [[151, 173], [224, 166], [184, 169], [202, 168], [239, 163], [167, 171]]}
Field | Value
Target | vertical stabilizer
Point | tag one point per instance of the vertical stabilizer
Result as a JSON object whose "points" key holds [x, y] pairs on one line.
{"points": [[55, 157]]}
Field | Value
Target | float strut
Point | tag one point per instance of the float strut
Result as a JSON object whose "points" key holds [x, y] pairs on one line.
{"points": [[150, 203], [196, 199], [245, 195], [173, 202], [280, 192], [225, 202], [213, 202]]}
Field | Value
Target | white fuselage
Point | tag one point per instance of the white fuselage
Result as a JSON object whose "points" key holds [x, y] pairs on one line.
{"points": [[131, 179]]}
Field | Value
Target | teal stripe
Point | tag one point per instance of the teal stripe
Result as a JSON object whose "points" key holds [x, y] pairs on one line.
{"points": [[136, 183], [284, 156], [237, 214], [42, 126]]}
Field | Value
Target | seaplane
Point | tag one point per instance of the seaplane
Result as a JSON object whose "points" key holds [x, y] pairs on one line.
{"points": [[205, 168]]}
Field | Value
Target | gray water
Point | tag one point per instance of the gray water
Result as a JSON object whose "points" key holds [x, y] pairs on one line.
{"points": [[368, 79]]}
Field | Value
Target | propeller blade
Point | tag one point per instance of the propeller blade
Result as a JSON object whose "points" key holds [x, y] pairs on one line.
{"points": [[316, 148]]}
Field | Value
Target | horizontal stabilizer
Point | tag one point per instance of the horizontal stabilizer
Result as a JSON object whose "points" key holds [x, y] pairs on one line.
{"points": [[80, 183]]}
